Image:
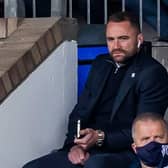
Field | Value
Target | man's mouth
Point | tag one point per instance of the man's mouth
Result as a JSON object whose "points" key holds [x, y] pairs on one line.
{"points": [[117, 52]]}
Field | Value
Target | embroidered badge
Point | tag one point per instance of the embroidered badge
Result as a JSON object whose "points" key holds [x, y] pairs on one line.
{"points": [[133, 75]]}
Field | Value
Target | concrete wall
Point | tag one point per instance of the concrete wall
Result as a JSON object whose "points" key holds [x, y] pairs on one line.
{"points": [[33, 119]]}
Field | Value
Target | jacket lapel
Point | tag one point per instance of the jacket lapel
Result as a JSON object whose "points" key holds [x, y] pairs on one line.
{"points": [[126, 85], [129, 80], [102, 78], [100, 82]]}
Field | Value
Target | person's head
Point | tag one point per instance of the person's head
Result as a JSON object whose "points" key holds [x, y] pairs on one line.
{"points": [[123, 36], [148, 127], [149, 132]]}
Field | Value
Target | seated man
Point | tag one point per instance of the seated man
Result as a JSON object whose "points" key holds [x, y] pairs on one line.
{"points": [[150, 135], [120, 85]]}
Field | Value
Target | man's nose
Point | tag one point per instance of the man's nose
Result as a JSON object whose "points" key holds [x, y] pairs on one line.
{"points": [[116, 44], [152, 139]]}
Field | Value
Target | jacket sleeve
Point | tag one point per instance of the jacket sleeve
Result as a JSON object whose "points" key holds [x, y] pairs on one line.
{"points": [[118, 140], [153, 90], [82, 109]]}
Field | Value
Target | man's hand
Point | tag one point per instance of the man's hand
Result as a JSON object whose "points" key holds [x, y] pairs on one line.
{"points": [[89, 138], [77, 155]]}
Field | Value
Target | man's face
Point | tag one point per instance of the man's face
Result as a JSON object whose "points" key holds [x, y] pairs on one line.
{"points": [[122, 40], [148, 131]]}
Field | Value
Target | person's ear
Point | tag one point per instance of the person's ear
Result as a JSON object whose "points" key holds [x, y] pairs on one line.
{"points": [[134, 147]]}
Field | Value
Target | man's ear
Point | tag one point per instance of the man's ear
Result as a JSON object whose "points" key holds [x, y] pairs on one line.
{"points": [[134, 147]]}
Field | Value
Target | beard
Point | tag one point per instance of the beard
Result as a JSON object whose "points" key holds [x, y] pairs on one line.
{"points": [[121, 55]]}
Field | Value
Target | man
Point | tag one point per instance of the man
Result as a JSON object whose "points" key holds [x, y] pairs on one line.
{"points": [[150, 135], [119, 86]]}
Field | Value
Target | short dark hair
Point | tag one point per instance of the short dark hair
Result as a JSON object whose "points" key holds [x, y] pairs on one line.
{"points": [[146, 116], [126, 16]]}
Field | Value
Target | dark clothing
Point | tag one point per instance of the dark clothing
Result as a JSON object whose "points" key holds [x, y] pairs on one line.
{"points": [[135, 164], [99, 160], [143, 89], [142, 86], [164, 162], [101, 113]]}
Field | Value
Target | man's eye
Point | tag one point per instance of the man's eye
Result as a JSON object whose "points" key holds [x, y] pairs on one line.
{"points": [[110, 39], [124, 38], [159, 137], [145, 139]]}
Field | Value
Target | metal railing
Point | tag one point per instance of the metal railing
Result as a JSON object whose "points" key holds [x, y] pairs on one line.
{"points": [[123, 9], [158, 18], [9, 3], [14, 8], [34, 8]]}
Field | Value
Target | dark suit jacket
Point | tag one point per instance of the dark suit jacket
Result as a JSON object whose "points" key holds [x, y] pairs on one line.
{"points": [[143, 89]]}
